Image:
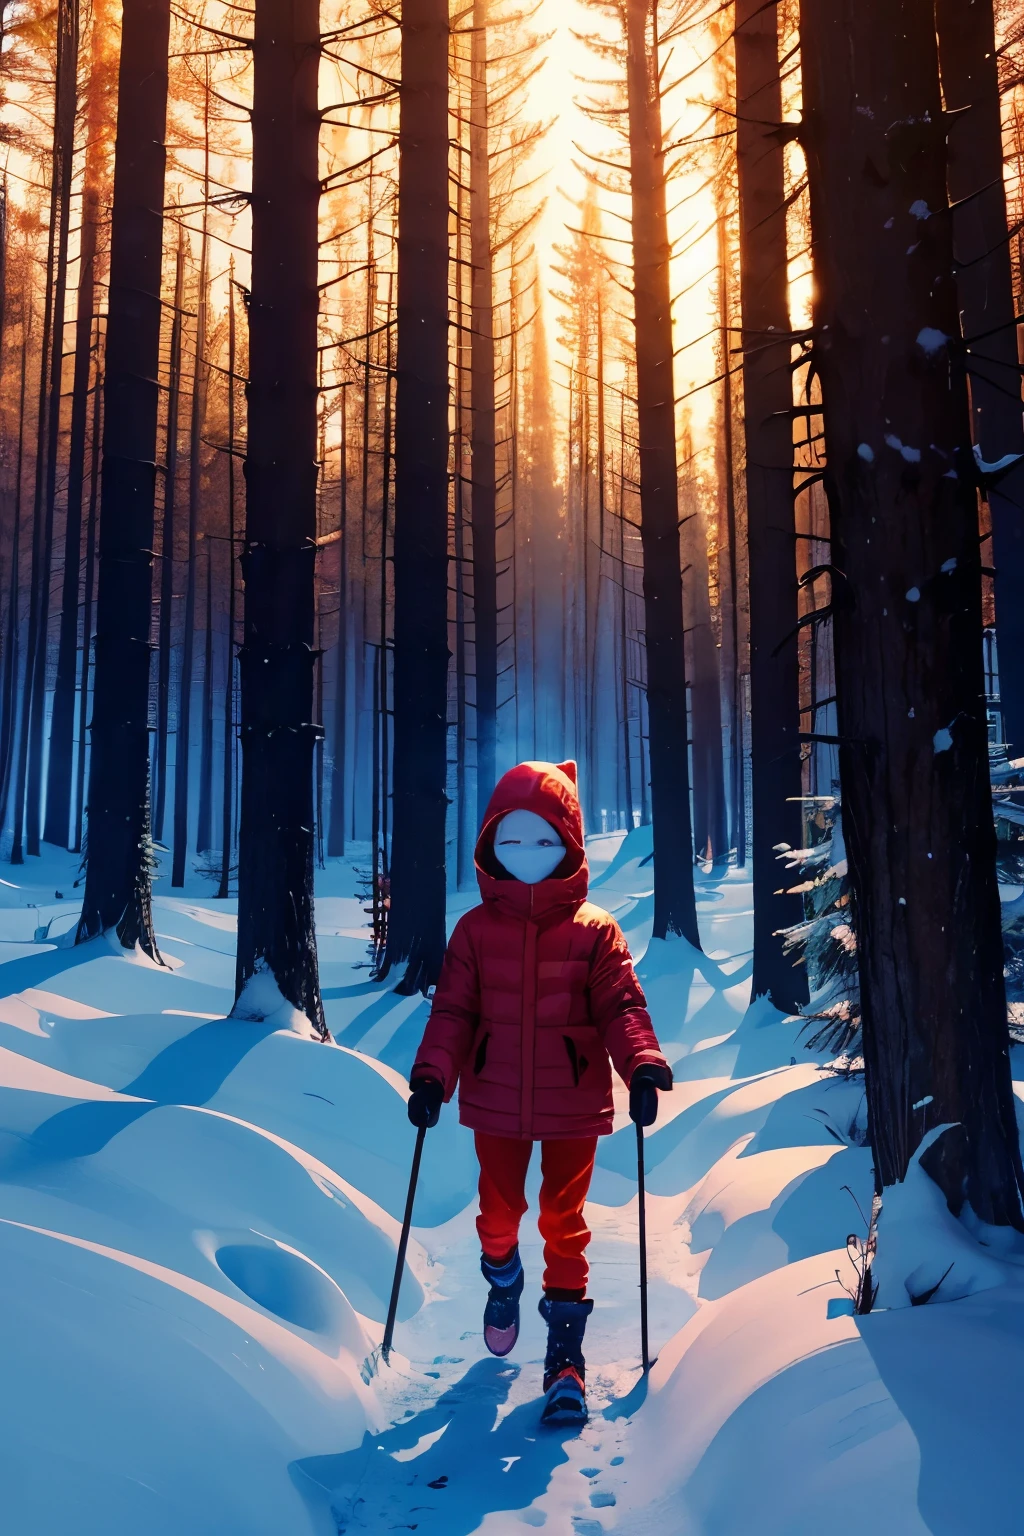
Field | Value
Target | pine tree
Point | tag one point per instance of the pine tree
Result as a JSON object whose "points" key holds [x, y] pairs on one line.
{"points": [[416, 927], [906, 584], [276, 934], [117, 890], [771, 527]]}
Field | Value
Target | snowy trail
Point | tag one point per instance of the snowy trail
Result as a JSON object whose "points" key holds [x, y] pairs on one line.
{"points": [[198, 1220]]}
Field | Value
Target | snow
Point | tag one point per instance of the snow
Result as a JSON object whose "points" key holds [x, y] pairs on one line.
{"points": [[198, 1222]]}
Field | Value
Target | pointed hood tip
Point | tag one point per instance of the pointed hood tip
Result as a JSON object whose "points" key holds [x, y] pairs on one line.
{"points": [[550, 791]]}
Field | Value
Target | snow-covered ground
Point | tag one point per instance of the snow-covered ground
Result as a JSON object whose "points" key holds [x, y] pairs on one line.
{"points": [[198, 1220]]}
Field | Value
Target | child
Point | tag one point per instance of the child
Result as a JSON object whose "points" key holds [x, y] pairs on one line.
{"points": [[537, 992]]}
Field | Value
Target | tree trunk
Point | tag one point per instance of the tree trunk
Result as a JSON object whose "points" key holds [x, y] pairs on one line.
{"points": [[674, 905], [336, 821], [204, 820], [183, 721], [276, 934], [165, 640], [62, 723], [66, 105], [226, 838], [9, 718], [62, 720], [416, 926], [117, 888], [484, 493], [627, 757], [729, 578], [771, 524], [709, 809], [26, 807], [90, 572], [464, 833], [906, 578], [970, 89]]}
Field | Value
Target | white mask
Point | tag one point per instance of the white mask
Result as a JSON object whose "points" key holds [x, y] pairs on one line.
{"points": [[527, 846]]}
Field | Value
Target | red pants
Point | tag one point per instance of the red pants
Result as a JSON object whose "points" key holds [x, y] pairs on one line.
{"points": [[566, 1167]]}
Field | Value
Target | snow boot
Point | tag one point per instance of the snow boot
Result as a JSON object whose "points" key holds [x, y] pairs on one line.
{"points": [[501, 1314], [564, 1365]]}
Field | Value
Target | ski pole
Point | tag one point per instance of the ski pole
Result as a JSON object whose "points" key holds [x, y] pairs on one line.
{"points": [[403, 1243], [643, 1248]]}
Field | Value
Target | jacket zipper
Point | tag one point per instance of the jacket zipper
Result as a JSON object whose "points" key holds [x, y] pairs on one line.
{"points": [[529, 1020]]}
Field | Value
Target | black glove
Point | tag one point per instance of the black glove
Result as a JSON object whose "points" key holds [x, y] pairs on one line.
{"points": [[643, 1091], [425, 1102]]}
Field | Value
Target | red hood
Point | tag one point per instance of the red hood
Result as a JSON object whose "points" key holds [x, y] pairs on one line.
{"points": [[549, 790]]}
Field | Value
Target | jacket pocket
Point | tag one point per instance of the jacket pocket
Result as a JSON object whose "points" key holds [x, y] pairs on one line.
{"points": [[578, 1063], [480, 1059]]}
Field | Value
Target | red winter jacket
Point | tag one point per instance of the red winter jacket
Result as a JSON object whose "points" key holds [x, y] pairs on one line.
{"points": [[538, 989]]}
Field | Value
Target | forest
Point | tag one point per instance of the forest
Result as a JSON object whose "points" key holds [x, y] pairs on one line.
{"points": [[391, 394]]}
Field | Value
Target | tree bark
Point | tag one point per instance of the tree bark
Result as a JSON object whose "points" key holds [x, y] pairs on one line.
{"points": [[183, 720], [906, 582], [204, 819], [30, 741], [675, 910], [9, 717], [90, 574], [416, 926], [336, 820], [117, 888], [65, 108], [729, 578], [227, 793], [970, 88], [484, 493], [771, 523], [164, 642], [62, 721], [709, 810], [276, 933]]}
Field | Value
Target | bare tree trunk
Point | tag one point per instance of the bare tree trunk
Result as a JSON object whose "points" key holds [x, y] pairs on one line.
{"points": [[416, 927], [906, 581], [276, 933], [484, 503], [674, 905], [771, 525], [627, 762], [165, 641], [204, 819], [62, 720], [66, 106], [26, 816], [970, 88], [709, 809], [464, 838], [336, 826], [90, 576], [729, 579], [226, 838], [9, 717], [117, 888], [183, 720]]}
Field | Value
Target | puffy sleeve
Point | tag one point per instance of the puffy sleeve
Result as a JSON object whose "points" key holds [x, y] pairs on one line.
{"points": [[618, 1007], [454, 1014]]}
